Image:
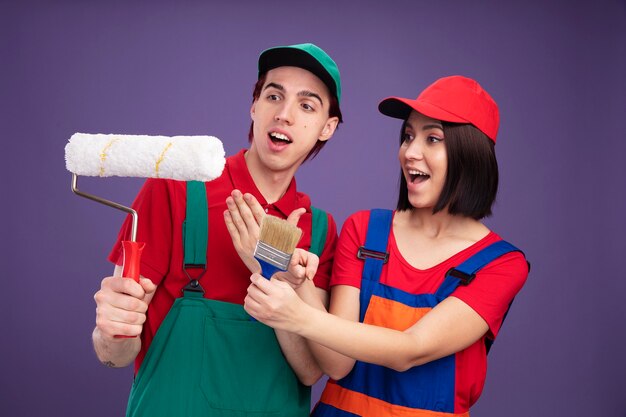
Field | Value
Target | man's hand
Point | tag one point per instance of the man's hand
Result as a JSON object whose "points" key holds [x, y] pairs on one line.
{"points": [[121, 306], [243, 221], [302, 267]]}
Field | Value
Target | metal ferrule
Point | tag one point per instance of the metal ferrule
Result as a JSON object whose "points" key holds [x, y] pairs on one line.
{"points": [[271, 255]]}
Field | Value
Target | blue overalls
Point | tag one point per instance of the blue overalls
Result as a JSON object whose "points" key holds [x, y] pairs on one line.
{"points": [[372, 390]]}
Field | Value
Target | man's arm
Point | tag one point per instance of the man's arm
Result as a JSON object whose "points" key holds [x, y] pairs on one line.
{"points": [[243, 218], [296, 349], [121, 306]]}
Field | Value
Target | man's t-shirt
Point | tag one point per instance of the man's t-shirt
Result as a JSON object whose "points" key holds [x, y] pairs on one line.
{"points": [[161, 207]]}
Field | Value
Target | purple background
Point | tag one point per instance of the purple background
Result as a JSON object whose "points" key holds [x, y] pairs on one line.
{"points": [[556, 69]]}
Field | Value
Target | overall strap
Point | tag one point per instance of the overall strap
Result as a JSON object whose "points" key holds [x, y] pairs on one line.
{"points": [[195, 232], [319, 230], [464, 274], [374, 253]]}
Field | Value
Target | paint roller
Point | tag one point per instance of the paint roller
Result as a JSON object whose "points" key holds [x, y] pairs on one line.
{"points": [[183, 158]]}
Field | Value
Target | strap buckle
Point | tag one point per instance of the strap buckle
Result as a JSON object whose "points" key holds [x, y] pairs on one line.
{"points": [[364, 253], [462, 276], [193, 284]]}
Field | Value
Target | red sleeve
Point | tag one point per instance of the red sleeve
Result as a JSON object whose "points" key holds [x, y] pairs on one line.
{"points": [[154, 228], [322, 277], [494, 287], [348, 269]]}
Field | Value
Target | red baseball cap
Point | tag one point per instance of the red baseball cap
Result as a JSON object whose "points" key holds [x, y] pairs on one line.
{"points": [[454, 99]]}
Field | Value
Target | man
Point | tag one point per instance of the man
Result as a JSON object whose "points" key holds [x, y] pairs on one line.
{"points": [[208, 357]]}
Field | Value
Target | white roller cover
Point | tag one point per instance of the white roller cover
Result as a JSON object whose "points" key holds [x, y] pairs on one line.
{"points": [[182, 158]]}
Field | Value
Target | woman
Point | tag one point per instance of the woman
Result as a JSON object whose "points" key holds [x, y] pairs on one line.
{"points": [[417, 294]]}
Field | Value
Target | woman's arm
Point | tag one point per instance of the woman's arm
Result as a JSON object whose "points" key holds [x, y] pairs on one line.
{"points": [[448, 328]]}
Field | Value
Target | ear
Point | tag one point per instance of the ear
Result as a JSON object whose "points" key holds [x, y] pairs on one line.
{"points": [[252, 109], [329, 129]]}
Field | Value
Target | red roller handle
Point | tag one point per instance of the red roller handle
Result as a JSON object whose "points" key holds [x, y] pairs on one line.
{"points": [[132, 261]]}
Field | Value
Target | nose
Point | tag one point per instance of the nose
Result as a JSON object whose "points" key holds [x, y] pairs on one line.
{"points": [[284, 113], [414, 150]]}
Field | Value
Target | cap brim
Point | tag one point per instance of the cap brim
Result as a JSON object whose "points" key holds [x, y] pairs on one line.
{"points": [[400, 108], [294, 57]]}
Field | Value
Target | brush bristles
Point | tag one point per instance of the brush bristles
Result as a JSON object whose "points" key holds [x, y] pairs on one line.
{"points": [[279, 234]]}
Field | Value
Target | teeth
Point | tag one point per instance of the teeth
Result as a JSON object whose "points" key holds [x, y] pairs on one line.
{"points": [[416, 172], [280, 136]]}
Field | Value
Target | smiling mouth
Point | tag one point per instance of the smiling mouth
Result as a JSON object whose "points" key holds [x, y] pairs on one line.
{"points": [[276, 137], [415, 176]]}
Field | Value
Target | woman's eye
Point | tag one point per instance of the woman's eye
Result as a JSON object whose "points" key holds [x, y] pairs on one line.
{"points": [[434, 139], [407, 137]]}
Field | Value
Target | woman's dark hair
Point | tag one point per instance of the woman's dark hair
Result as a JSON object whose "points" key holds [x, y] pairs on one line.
{"points": [[333, 111], [471, 181]]}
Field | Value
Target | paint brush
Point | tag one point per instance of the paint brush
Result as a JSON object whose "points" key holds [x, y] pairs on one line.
{"points": [[277, 241]]}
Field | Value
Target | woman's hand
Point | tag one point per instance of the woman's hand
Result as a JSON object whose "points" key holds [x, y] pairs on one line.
{"points": [[274, 303]]}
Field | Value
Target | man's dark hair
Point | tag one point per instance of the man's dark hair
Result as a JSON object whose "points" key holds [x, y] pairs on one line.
{"points": [[333, 111], [471, 181]]}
